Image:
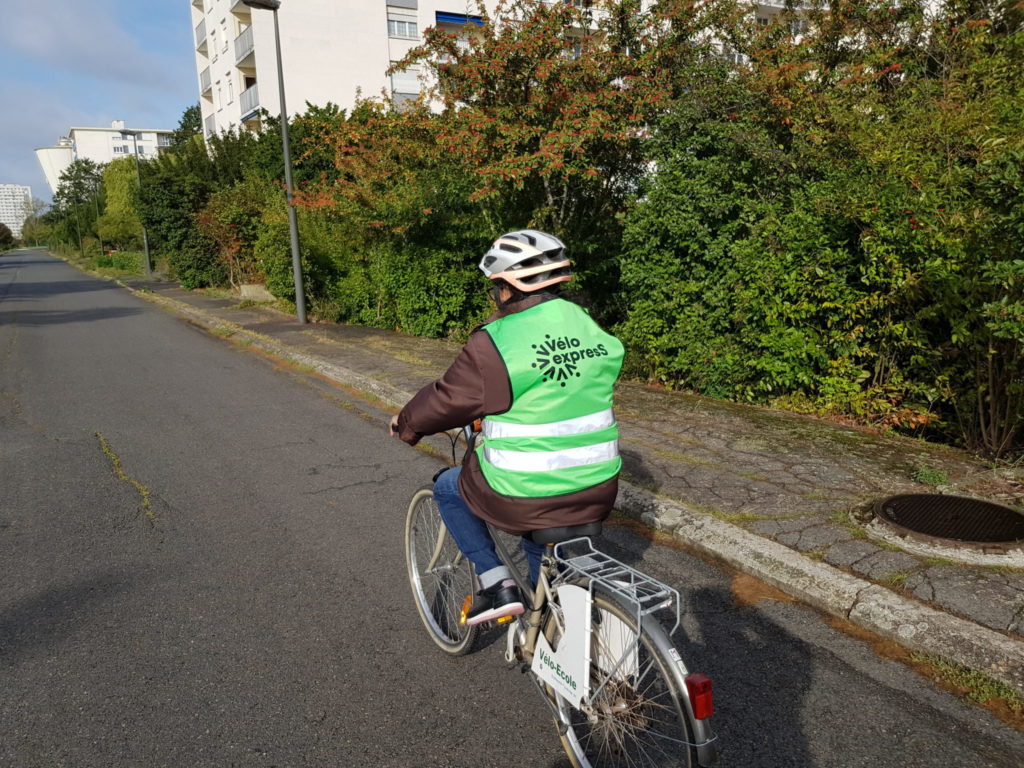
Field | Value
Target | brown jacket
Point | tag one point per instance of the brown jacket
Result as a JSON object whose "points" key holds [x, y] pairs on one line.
{"points": [[477, 385]]}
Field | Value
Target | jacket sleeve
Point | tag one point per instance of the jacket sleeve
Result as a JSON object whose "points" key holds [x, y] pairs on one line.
{"points": [[475, 385]]}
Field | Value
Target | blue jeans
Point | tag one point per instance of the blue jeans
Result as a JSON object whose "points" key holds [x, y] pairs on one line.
{"points": [[472, 536]]}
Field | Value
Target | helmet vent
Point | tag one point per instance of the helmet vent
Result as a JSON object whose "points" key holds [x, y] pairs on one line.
{"points": [[510, 248], [489, 260]]}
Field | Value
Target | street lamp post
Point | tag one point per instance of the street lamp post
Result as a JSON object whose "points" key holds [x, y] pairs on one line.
{"points": [[300, 298], [138, 178]]}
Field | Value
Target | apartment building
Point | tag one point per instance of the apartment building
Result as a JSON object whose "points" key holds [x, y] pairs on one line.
{"points": [[331, 50], [15, 201], [101, 145]]}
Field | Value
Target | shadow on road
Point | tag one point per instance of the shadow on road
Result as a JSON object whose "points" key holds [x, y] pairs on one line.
{"points": [[40, 317], [760, 672], [51, 616], [40, 289]]}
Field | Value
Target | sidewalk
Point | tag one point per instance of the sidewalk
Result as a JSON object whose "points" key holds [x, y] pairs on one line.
{"points": [[784, 498]]}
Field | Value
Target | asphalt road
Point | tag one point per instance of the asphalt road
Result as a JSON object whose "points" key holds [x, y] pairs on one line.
{"points": [[201, 565]]}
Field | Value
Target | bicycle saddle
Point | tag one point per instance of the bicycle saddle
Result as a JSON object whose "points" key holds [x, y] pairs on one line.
{"points": [[566, 532]]}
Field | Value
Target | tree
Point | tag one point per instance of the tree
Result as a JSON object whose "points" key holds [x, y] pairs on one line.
{"points": [[546, 106], [189, 126], [6, 236], [120, 225], [34, 230], [79, 185]]}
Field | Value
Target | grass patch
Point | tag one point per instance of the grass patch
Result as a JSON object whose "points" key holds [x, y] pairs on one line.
{"points": [[216, 293], [740, 517], [896, 579], [693, 461], [928, 475], [1001, 569], [145, 503], [223, 333], [883, 544], [840, 517], [977, 686], [856, 531], [932, 561]]}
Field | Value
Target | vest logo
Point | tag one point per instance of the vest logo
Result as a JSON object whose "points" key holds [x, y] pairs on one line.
{"points": [[558, 358]]}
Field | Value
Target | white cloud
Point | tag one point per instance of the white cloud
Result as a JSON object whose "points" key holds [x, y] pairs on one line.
{"points": [[80, 38], [72, 63]]}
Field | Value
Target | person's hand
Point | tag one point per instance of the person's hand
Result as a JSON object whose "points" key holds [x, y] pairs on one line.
{"points": [[393, 426]]}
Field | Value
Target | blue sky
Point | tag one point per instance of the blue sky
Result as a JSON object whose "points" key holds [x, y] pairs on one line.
{"points": [[72, 62]]}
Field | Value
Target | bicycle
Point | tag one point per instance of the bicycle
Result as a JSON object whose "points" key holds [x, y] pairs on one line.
{"points": [[615, 684]]}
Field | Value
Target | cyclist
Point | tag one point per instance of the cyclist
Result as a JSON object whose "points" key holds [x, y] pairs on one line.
{"points": [[540, 373]]}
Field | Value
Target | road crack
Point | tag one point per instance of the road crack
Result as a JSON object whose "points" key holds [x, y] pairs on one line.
{"points": [[145, 503]]}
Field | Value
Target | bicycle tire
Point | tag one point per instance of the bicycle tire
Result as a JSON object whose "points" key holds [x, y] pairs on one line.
{"points": [[640, 721], [440, 576]]}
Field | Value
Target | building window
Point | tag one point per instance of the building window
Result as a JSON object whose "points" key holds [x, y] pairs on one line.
{"points": [[406, 82], [224, 33], [121, 149], [398, 27], [231, 91]]}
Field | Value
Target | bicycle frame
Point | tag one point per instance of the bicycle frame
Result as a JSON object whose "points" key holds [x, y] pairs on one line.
{"points": [[570, 582]]}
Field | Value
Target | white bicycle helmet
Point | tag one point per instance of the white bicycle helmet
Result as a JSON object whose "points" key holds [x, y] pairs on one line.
{"points": [[528, 260]]}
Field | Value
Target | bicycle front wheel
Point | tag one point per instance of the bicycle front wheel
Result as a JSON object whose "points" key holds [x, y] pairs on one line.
{"points": [[440, 576], [638, 715]]}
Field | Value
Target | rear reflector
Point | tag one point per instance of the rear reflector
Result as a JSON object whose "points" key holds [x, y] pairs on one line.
{"points": [[699, 688]]}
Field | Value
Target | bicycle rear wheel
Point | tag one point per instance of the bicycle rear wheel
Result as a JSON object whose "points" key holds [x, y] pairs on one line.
{"points": [[639, 716], [440, 576]]}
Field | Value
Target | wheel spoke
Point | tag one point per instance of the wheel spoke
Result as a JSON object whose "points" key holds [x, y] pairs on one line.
{"points": [[440, 577]]}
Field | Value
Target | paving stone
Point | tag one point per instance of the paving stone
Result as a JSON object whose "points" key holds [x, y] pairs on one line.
{"points": [[885, 562], [814, 538], [981, 596], [846, 553]]}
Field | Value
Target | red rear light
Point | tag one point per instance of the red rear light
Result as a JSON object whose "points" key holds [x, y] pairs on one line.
{"points": [[699, 688]]}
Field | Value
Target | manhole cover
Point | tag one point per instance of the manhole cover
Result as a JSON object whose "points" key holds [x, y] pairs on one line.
{"points": [[953, 519]]}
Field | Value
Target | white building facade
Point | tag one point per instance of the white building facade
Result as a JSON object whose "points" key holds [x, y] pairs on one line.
{"points": [[101, 145], [331, 50], [15, 205]]}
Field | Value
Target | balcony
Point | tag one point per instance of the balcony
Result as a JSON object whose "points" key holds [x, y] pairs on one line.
{"points": [[199, 4], [211, 125], [240, 9], [249, 100], [244, 48], [201, 36], [204, 81]]}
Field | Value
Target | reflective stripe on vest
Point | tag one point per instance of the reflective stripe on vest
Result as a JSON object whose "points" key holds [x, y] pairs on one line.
{"points": [[541, 461], [578, 426]]}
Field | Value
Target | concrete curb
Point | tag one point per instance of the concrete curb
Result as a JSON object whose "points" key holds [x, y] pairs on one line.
{"points": [[908, 622]]}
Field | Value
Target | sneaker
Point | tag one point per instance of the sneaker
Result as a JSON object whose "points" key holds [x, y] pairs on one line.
{"points": [[493, 603]]}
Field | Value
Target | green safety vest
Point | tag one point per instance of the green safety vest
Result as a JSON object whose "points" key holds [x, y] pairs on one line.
{"points": [[560, 434]]}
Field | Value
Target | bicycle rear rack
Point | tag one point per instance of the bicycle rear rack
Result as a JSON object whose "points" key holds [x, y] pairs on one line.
{"points": [[633, 588]]}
